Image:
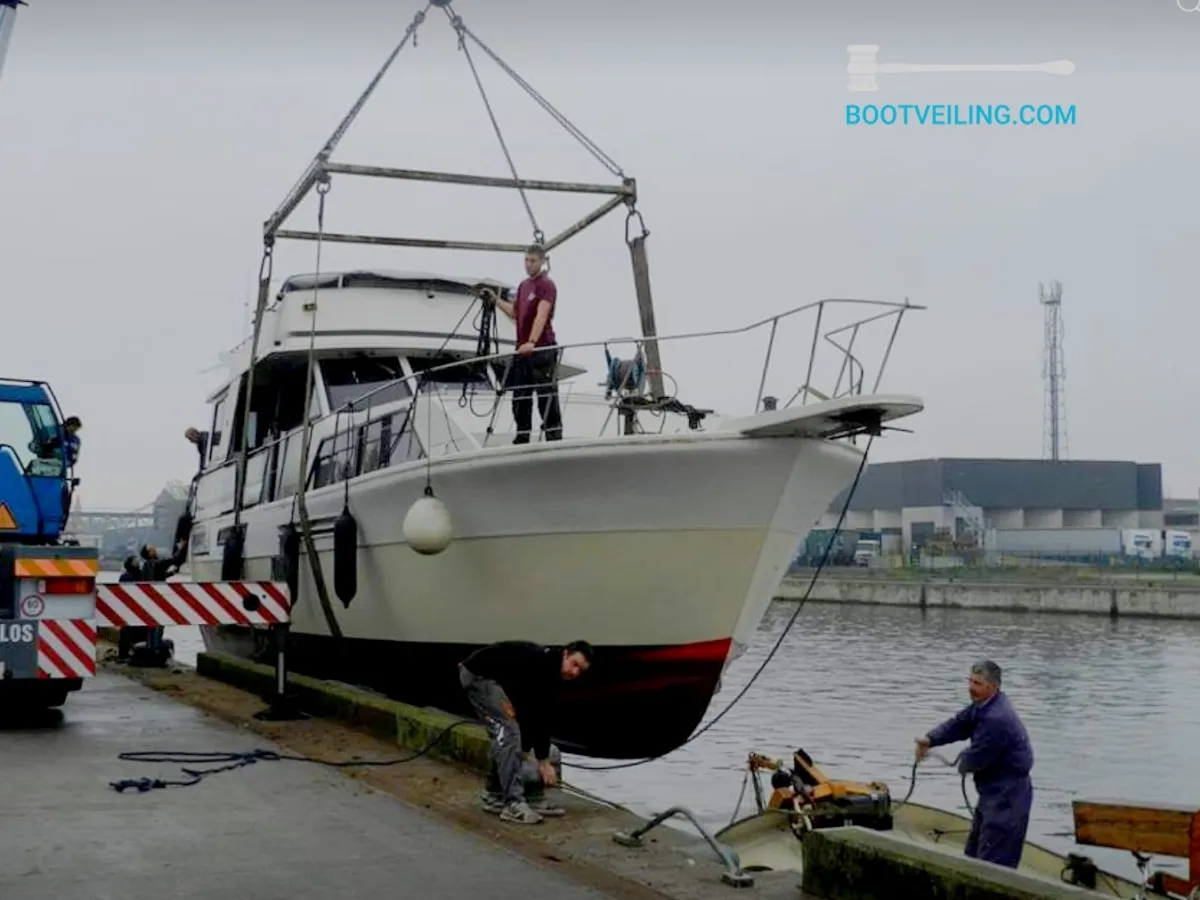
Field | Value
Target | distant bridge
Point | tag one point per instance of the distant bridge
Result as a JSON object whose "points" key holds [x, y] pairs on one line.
{"points": [[101, 520], [120, 531]]}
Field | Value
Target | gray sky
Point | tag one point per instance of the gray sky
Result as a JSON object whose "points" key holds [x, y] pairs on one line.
{"points": [[142, 145]]}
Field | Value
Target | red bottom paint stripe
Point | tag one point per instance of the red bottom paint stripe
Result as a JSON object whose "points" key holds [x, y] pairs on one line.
{"points": [[704, 652]]}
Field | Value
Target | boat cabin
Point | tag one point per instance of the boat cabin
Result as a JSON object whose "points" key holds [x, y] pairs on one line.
{"points": [[373, 334]]}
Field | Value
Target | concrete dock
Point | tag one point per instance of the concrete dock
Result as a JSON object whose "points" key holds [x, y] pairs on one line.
{"points": [[265, 832], [282, 830], [1114, 597]]}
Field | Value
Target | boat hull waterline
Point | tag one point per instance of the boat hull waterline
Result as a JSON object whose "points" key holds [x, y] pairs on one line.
{"points": [[663, 553]]}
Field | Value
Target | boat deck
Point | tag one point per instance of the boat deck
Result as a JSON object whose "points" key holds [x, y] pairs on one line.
{"points": [[286, 829]]}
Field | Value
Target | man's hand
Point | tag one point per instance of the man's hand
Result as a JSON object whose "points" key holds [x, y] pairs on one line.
{"points": [[526, 349], [487, 295], [546, 770], [922, 748]]}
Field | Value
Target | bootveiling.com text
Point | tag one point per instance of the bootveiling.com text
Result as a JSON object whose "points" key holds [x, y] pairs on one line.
{"points": [[1027, 114]]}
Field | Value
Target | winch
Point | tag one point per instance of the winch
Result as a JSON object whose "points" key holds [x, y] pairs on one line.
{"points": [[819, 801]]}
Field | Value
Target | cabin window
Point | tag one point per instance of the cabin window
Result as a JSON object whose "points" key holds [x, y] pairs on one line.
{"points": [[277, 403], [349, 379], [402, 445], [337, 459], [467, 373], [17, 435], [218, 424], [374, 443], [289, 466]]}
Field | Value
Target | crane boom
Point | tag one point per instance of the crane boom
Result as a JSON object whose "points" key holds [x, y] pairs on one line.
{"points": [[8, 18]]}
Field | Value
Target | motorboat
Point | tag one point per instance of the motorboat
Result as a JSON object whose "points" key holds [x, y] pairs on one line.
{"points": [[656, 529], [660, 547]]}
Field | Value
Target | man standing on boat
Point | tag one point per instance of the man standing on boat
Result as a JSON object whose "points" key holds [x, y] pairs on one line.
{"points": [[535, 367], [1000, 757], [512, 686]]}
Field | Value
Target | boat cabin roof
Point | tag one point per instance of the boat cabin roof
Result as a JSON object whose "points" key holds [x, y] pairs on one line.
{"points": [[393, 279], [386, 279]]}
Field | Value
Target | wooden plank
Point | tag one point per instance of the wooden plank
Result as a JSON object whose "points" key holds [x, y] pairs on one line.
{"points": [[1163, 830]]}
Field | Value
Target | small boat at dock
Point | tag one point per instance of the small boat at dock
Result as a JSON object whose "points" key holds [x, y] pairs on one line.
{"points": [[804, 798]]}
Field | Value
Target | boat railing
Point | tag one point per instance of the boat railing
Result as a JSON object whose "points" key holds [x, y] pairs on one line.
{"points": [[851, 332], [846, 336]]}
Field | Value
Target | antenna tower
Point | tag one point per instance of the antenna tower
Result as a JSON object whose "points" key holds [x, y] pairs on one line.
{"points": [[1054, 375]]}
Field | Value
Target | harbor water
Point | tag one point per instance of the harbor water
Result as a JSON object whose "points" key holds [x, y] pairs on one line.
{"points": [[1111, 706]]}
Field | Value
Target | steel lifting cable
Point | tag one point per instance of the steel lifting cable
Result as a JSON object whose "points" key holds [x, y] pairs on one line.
{"points": [[588, 144], [310, 547], [456, 23], [410, 33]]}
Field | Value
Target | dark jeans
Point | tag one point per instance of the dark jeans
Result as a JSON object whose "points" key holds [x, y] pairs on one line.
{"points": [[536, 373]]}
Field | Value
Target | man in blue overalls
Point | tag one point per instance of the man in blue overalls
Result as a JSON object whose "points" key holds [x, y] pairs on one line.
{"points": [[1000, 757]]}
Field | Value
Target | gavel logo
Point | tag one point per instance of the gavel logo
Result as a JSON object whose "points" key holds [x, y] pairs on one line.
{"points": [[864, 69]]}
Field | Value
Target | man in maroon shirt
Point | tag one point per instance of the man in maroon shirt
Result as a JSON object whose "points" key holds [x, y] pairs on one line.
{"points": [[535, 367]]}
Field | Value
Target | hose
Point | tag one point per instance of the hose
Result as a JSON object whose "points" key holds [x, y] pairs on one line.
{"points": [[912, 780]]}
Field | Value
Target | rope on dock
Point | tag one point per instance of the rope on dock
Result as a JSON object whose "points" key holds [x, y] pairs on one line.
{"points": [[228, 761]]}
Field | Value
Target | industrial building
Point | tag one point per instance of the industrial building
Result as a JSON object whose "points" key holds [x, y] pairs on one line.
{"points": [[1070, 506]]}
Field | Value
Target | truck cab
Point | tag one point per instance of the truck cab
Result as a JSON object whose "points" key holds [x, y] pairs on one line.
{"points": [[36, 476], [866, 551]]}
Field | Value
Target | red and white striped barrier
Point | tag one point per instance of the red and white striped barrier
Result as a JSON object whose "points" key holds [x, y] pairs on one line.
{"points": [[192, 603], [66, 648]]}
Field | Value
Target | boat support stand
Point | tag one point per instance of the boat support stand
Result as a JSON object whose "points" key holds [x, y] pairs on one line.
{"points": [[733, 874]]}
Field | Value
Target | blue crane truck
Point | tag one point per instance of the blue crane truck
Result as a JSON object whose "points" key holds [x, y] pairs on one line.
{"points": [[47, 585]]}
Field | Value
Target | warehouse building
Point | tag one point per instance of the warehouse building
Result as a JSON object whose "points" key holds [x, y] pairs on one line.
{"points": [[914, 502]]}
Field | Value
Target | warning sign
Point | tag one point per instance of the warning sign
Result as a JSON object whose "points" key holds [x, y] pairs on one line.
{"points": [[7, 522]]}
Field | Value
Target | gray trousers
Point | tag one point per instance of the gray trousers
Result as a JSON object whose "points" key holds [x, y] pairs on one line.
{"points": [[505, 760]]}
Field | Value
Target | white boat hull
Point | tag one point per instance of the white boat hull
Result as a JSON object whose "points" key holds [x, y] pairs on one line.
{"points": [[662, 551]]}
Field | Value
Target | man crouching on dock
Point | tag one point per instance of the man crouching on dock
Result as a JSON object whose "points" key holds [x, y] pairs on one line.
{"points": [[512, 686]]}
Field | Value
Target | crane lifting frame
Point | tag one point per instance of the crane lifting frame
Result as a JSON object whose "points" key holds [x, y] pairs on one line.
{"points": [[322, 167]]}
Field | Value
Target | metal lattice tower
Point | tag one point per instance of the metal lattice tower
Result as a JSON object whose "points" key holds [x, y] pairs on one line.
{"points": [[1054, 375]]}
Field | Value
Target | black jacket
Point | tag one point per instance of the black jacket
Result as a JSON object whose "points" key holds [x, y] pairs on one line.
{"points": [[530, 675]]}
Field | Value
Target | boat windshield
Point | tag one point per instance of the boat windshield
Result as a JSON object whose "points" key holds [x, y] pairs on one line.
{"points": [[348, 379], [472, 374]]}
